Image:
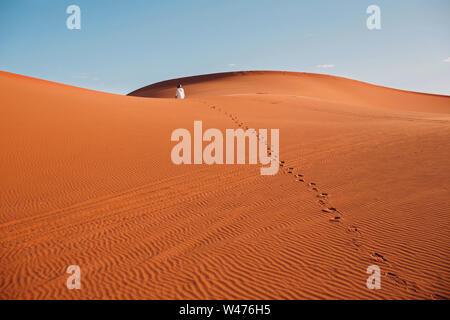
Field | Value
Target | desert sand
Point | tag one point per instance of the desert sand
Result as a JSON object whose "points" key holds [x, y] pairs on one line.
{"points": [[87, 179]]}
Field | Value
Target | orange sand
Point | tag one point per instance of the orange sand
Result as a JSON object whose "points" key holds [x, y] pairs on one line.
{"points": [[86, 179]]}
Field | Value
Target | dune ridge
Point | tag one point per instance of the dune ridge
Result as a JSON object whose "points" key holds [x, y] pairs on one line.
{"points": [[319, 86], [87, 180], [219, 76]]}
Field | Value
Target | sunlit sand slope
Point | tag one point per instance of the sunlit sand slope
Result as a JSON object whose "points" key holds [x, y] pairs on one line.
{"points": [[87, 180]]}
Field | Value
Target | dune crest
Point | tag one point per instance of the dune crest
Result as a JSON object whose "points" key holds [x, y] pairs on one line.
{"points": [[315, 86]]}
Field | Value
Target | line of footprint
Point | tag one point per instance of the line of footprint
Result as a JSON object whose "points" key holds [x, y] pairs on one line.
{"points": [[322, 197], [327, 208]]}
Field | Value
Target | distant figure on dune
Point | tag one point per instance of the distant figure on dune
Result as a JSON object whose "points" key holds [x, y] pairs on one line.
{"points": [[180, 92]]}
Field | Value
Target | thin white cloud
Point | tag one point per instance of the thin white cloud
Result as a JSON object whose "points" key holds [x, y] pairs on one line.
{"points": [[325, 66], [447, 59], [232, 65]]}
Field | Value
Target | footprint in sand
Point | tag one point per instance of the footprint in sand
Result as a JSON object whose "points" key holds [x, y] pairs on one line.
{"points": [[336, 219], [408, 285], [328, 210], [378, 257]]}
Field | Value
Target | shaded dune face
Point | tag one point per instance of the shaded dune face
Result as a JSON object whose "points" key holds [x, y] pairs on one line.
{"points": [[87, 180]]}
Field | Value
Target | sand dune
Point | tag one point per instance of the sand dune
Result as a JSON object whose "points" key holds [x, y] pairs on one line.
{"points": [[87, 180], [305, 85]]}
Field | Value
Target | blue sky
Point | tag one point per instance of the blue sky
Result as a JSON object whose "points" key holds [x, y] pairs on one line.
{"points": [[124, 45]]}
